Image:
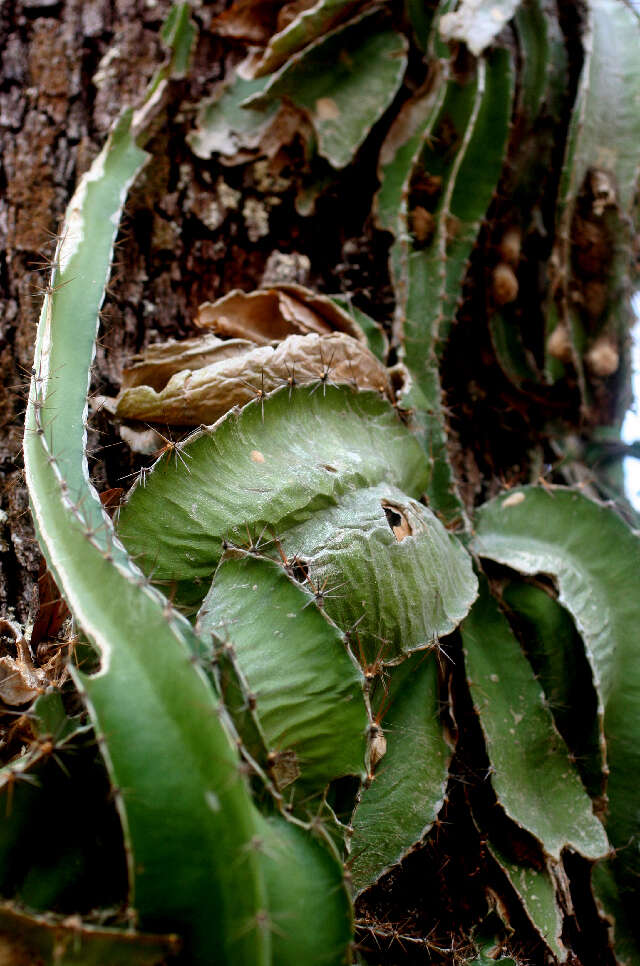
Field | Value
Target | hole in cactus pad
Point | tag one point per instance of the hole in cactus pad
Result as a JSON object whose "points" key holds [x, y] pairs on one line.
{"points": [[397, 521], [299, 570]]}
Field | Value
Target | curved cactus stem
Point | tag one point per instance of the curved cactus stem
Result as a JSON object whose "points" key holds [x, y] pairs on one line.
{"points": [[557, 656], [304, 687], [21, 779], [375, 335], [513, 358], [540, 108], [305, 27], [185, 810], [50, 718], [622, 921], [225, 126], [304, 473], [536, 891], [49, 849], [602, 143], [183, 800], [544, 58], [479, 112], [531, 772], [398, 156], [345, 81], [56, 418], [407, 786], [311, 917], [399, 161], [595, 560], [474, 117], [605, 126], [179, 33]]}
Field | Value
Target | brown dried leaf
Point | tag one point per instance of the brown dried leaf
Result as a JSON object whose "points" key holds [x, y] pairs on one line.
{"points": [[110, 499], [267, 315], [161, 361], [204, 395], [52, 610], [290, 124]]}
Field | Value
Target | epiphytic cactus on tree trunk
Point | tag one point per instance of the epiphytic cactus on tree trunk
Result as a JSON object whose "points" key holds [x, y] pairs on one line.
{"points": [[302, 639]]}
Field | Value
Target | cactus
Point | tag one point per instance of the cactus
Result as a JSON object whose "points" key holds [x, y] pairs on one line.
{"points": [[81, 549], [598, 593], [301, 632]]}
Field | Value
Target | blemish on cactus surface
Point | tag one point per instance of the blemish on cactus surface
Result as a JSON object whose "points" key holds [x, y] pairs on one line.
{"points": [[299, 570], [422, 224], [505, 284], [603, 357], [513, 500], [327, 109], [510, 245], [559, 344], [603, 190], [283, 767]]}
